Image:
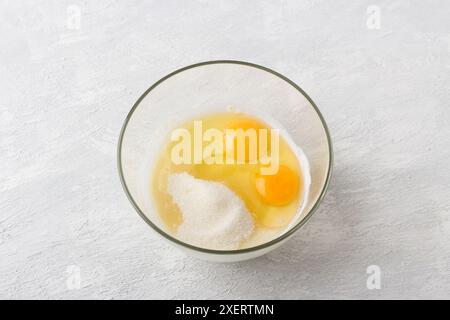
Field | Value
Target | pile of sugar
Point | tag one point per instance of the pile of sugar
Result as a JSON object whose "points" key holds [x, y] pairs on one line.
{"points": [[214, 217]]}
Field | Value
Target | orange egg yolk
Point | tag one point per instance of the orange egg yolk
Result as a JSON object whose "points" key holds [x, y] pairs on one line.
{"points": [[278, 189]]}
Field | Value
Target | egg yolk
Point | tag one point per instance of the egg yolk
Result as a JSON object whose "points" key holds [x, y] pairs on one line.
{"points": [[278, 189]]}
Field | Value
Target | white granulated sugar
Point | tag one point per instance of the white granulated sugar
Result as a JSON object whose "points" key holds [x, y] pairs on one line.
{"points": [[214, 217]]}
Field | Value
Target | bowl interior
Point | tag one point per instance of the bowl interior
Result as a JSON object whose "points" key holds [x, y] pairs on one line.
{"points": [[213, 87]]}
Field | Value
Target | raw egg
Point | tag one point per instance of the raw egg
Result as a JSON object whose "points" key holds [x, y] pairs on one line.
{"points": [[272, 200]]}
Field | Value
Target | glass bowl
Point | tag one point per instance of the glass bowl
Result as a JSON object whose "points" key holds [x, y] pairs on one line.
{"points": [[209, 87]]}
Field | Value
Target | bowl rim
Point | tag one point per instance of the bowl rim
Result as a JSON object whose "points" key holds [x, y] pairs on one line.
{"points": [[268, 244]]}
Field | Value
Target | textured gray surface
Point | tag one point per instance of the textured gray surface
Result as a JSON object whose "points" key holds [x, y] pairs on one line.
{"points": [[66, 90]]}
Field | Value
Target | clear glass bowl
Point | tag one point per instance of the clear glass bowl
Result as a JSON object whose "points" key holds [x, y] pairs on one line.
{"points": [[210, 87]]}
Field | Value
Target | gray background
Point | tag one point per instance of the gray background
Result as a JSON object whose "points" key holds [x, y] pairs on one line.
{"points": [[65, 91]]}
